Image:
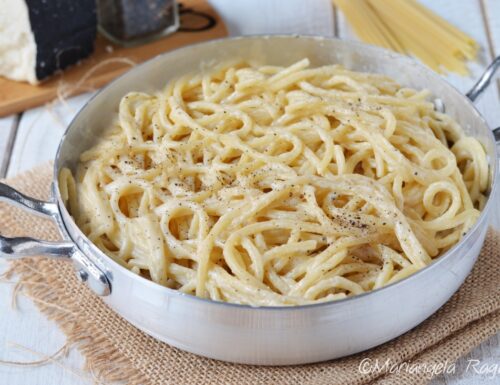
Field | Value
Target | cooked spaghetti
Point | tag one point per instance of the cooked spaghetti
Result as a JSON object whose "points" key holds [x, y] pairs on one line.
{"points": [[278, 186]]}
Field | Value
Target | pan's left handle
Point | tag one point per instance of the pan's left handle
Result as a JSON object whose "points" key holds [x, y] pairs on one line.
{"points": [[21, 247], [481, 85]]}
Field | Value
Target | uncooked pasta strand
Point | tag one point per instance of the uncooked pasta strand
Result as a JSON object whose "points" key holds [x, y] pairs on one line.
{"points": [[406, 26]]}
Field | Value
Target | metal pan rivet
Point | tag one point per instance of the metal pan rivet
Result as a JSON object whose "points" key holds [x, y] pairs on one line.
{"points": [[82, 275], [439, 105]]}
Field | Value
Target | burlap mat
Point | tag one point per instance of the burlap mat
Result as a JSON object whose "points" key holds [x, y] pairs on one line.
{"points": [[116, 351]]}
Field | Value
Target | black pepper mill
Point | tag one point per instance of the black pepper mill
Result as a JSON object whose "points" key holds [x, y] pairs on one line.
{"points": [[132, 22]]}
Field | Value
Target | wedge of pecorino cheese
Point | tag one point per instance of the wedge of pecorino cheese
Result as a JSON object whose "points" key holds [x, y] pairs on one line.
{"points": [[40, 37]]}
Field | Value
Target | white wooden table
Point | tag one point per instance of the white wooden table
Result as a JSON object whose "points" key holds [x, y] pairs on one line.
{"points": [[31, 138]]}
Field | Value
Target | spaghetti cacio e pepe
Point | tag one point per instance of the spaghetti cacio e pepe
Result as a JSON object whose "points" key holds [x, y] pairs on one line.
{"points": [[266, 185]]}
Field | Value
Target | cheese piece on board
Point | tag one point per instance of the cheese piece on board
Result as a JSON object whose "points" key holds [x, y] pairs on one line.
{"points": [[40, 37]]}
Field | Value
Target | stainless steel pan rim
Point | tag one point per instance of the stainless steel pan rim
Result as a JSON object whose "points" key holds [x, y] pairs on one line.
{"points": [[493, 165]]}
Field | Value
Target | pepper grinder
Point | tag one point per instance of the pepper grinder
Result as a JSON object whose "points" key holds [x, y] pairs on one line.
{"points": [[131, 22]]}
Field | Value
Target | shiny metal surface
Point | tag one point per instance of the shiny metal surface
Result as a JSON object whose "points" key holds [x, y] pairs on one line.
{"points": [[20, 247], [477, 90], [496, 133], [276, 335], [484, 81], [35, 206]]}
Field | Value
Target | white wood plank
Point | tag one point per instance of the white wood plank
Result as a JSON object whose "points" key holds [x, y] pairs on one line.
{"points": [[312, 17], [40, 131], [491, 10], [344, 30], [38, 135], [7, 128], [29, 328], [6, 125], [492, 13]]}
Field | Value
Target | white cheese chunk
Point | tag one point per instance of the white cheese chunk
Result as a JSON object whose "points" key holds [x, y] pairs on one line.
{"points": [[17, 42]]}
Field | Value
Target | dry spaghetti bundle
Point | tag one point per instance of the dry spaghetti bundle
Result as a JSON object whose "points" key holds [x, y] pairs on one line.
{"points": [[407, 27]]}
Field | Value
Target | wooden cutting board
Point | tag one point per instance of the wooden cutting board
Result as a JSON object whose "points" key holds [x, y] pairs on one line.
{"points": [[19, 96]]}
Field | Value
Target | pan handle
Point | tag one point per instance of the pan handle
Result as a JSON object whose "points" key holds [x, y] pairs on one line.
{"points": [[484, 81], [481, 85], [21, 247]]}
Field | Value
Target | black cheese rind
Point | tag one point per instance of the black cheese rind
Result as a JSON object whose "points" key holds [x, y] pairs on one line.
{"points": [[64, 31]]}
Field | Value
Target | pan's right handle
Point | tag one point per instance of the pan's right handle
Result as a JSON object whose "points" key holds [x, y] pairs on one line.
{"points": [[21, 247], [484, 81], [481, 85]]}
